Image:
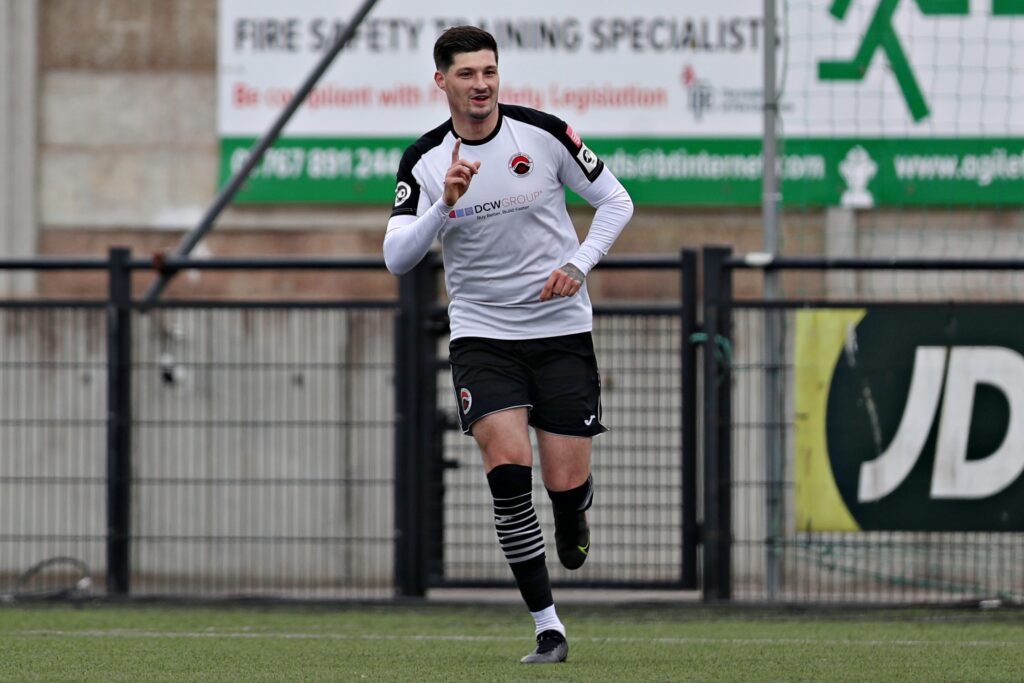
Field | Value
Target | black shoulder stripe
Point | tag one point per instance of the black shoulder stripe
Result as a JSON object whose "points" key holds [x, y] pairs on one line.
{"points": [[540, 119], [427, 142], [407, 190], [588, 162]]}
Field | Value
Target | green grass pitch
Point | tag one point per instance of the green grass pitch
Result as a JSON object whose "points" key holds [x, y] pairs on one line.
{"points": [[158, 642]]}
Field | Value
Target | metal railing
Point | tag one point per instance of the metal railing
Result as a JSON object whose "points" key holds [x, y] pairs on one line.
{"points": [[299, 449], [199, 448], [306, 449]]}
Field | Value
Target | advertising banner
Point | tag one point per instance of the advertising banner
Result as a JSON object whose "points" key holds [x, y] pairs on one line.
{"points": [[910, 418], [668, 93]]}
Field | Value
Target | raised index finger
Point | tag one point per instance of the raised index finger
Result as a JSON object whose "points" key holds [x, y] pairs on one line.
{"points": [[455, 150]]}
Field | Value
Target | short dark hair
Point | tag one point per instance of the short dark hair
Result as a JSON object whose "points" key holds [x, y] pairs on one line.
{"points": [[458, 39]]}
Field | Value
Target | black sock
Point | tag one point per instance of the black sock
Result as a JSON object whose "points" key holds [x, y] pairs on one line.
{"points": [[574, 500], [519, 533]]}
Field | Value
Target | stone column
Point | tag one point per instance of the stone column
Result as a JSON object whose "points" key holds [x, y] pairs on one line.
{"points": [[841, 242], [19, 28]]}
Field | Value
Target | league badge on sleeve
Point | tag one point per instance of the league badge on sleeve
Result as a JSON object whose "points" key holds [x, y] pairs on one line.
{"points": [[587, 159], [402, 192]]}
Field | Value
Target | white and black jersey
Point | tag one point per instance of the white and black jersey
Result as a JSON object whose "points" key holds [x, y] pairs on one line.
{"points": [[511, 229]]}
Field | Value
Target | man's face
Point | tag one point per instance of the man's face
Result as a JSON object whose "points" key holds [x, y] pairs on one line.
{"points": [[471, 83]]}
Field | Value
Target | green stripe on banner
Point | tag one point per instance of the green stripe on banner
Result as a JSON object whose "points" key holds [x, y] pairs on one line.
{"points": [[1007, 7], [316, 170], [709, 172], [722, 172]]}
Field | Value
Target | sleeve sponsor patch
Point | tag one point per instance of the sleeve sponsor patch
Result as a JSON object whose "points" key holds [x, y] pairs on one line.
{"points": [[588, 160]]}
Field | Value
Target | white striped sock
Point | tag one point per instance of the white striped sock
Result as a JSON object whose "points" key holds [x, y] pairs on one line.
{"points": [[518, 529]]}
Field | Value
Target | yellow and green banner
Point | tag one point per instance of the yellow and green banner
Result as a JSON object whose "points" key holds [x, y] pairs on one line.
{"points": [[910, 418]]}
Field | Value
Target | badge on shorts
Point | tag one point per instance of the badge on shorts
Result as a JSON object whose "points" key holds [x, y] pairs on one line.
{"points": [[466, 400]]}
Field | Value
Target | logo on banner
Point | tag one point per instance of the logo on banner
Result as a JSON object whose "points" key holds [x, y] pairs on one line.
{"points": [[700, 93], [703, 97], [922, 420], [954, 475], [857, 169], [881, 36]]}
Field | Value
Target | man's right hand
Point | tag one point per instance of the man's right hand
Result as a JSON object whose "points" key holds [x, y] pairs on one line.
{"points": [[460, 173]]}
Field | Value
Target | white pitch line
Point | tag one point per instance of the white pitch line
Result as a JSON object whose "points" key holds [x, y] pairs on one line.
{"points": [[132, 633]]}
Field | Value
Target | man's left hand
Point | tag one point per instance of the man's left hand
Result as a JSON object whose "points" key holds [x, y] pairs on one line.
{"points": [[564, 281]]}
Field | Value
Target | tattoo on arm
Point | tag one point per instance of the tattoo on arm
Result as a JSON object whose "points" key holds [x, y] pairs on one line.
{"points": [[573, 272]]}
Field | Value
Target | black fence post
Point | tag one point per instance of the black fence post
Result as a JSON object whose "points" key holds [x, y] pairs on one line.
{"points": [[717, 536], [688, 369], [416, 417], [119, 423]]}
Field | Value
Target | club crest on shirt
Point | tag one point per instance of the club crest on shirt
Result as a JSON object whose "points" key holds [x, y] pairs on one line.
{"points": [[466, 400], [520, 165]]}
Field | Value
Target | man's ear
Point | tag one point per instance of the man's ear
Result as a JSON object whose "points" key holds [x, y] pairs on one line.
{"points": [[439, 79]]}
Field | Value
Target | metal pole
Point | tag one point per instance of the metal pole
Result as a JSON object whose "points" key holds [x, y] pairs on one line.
{"points": [[415, 401], [688, 369], [190, 240], [429, 427], [407, 537], [717, 532], [770, 194], [119, 423], [774, 390], [723, 343]]}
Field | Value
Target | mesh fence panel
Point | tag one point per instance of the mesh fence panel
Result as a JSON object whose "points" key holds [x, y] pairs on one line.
{"points": [[52, 444], [263, 460], [263, 452], [636, 518]]}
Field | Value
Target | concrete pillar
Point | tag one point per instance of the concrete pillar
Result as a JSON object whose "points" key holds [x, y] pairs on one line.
{"points": [[19, 29], [841, 242]]}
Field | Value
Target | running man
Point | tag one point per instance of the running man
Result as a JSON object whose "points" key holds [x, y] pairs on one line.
{"points": [[489, 184]]}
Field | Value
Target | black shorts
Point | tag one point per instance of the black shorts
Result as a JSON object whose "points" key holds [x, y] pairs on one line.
{"points": [[555, 378]]}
